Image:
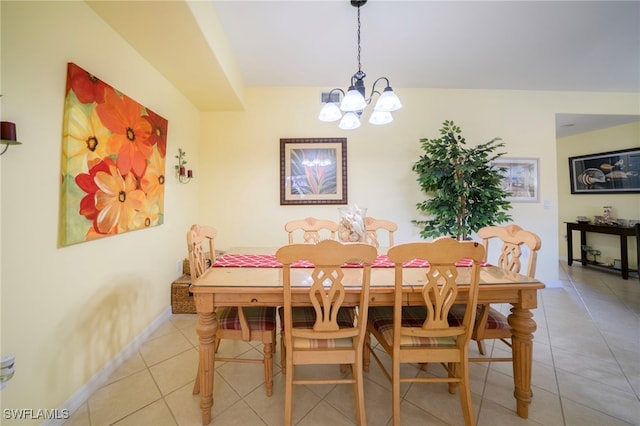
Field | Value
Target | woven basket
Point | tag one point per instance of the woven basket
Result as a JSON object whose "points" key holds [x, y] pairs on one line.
{"points": [[182, 301]]}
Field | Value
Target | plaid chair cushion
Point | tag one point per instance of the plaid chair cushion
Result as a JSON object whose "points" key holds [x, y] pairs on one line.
{"points": [[305, 317], [495, 321], [381, 319], [258, 317]]}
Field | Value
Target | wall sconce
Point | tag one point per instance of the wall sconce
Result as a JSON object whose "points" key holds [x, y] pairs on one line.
{"points": [[183, 175], [7, 368], [8, 135]]}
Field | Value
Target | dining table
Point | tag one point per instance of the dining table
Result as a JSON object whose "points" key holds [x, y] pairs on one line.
{"points": [[251, 276]]}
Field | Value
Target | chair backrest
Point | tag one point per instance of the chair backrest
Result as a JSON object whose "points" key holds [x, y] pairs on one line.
{"points": [[313, 229], [199, 259], [440, 288], [372, 225], [327, 287], [512, 237]]}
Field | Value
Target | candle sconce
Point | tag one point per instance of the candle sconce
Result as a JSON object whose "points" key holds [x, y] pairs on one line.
{"points": [[183, 175], [8, 135]]}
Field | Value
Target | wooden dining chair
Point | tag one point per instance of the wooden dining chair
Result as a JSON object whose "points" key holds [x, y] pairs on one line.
{"points": [[313, 230], [491, 323], [421, 333], [255, 323], [325, 340], [373, 225]]}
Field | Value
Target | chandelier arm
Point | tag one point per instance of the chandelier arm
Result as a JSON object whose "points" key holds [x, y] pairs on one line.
{"points": [[373, 88], [337, 89]]}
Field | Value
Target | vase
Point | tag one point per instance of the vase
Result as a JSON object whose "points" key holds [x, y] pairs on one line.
{"points": [[351, 226]]}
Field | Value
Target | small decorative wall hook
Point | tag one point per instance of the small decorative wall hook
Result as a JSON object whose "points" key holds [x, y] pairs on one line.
{"points": [[183, 175]]}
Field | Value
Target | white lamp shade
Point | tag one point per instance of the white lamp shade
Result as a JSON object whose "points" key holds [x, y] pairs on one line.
{"points": [[350, 121], [388, 101], [353, 101], [380, 117], [330, 112]]}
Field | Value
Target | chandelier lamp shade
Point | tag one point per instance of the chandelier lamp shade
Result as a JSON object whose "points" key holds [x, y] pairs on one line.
{"points": [[354, 101]]}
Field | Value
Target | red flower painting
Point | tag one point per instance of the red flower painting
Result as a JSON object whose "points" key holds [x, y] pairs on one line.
{"points": [[113, 161]]}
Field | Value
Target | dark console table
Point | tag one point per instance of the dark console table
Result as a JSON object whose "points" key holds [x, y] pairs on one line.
{"points": [[623, 232]]}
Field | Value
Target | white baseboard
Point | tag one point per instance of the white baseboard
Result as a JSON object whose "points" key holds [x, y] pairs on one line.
{"points": [[101, 377]]}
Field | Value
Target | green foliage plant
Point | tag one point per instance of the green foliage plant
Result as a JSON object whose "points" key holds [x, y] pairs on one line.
{"points": [[464, 188]]}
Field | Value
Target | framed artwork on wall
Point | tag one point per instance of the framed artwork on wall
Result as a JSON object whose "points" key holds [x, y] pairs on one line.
{"points": [[112, 162], [613, 172], [313, 171], [520, 178]]}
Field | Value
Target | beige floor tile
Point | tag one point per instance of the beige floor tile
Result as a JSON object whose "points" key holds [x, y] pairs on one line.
{"points": [[166, 327], [492, 414], [600, 397], [410, 415], [117, 400], [164, 347], [579, 415], [131, 365], [601, 369], [176, 371], [184, 321], [436, 399], [324, 414], [155, 414], [184, 406], [244, 377], [239, 414]]}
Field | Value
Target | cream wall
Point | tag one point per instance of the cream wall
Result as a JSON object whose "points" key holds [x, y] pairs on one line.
{"points": [[67, 312], [625, 206]]}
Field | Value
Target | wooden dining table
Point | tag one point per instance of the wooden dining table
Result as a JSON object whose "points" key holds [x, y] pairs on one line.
{"points": [[250, 276]]}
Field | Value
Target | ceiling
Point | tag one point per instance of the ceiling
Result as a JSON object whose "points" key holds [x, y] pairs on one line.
{"points": [[215, 48]]}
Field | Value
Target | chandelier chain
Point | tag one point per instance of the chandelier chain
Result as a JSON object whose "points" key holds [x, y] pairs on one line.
{"points": [[359, 49]]}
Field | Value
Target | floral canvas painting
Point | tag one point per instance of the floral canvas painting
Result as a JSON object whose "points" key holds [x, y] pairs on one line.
{"points": [[113, 161]]}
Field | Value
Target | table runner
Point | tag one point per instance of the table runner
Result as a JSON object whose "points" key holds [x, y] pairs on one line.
{"points": [[270, 261]]}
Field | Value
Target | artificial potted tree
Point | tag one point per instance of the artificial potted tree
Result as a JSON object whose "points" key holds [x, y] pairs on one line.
{"points": [[465, 189]]}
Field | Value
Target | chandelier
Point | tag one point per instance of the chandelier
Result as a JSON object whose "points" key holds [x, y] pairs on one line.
{"points": [[354, 101]]}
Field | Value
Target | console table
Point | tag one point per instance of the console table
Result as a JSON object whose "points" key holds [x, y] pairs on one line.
{"points": [[622, 232]]}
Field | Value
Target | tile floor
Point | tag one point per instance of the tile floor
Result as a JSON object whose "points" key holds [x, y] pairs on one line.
{"points": [[586, 371]]}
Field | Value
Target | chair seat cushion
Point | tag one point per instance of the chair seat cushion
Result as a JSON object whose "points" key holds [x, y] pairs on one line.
{"points": [[258, 317], [302, 343], [381, 319], [495, 321]]}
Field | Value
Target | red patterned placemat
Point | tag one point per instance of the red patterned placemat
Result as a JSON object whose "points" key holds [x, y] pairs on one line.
{"points": [[270, 261]]}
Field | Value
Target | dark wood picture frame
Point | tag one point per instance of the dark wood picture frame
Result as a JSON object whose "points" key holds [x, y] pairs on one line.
{"points": [[613, 172], [313, 171]]}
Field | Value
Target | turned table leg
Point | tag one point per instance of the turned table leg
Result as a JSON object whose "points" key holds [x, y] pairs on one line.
{"points": [[522, 328], [206, 328]]}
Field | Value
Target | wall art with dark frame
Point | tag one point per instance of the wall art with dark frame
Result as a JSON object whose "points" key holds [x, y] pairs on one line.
{"points": [[613, 172], [313, 171]]}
